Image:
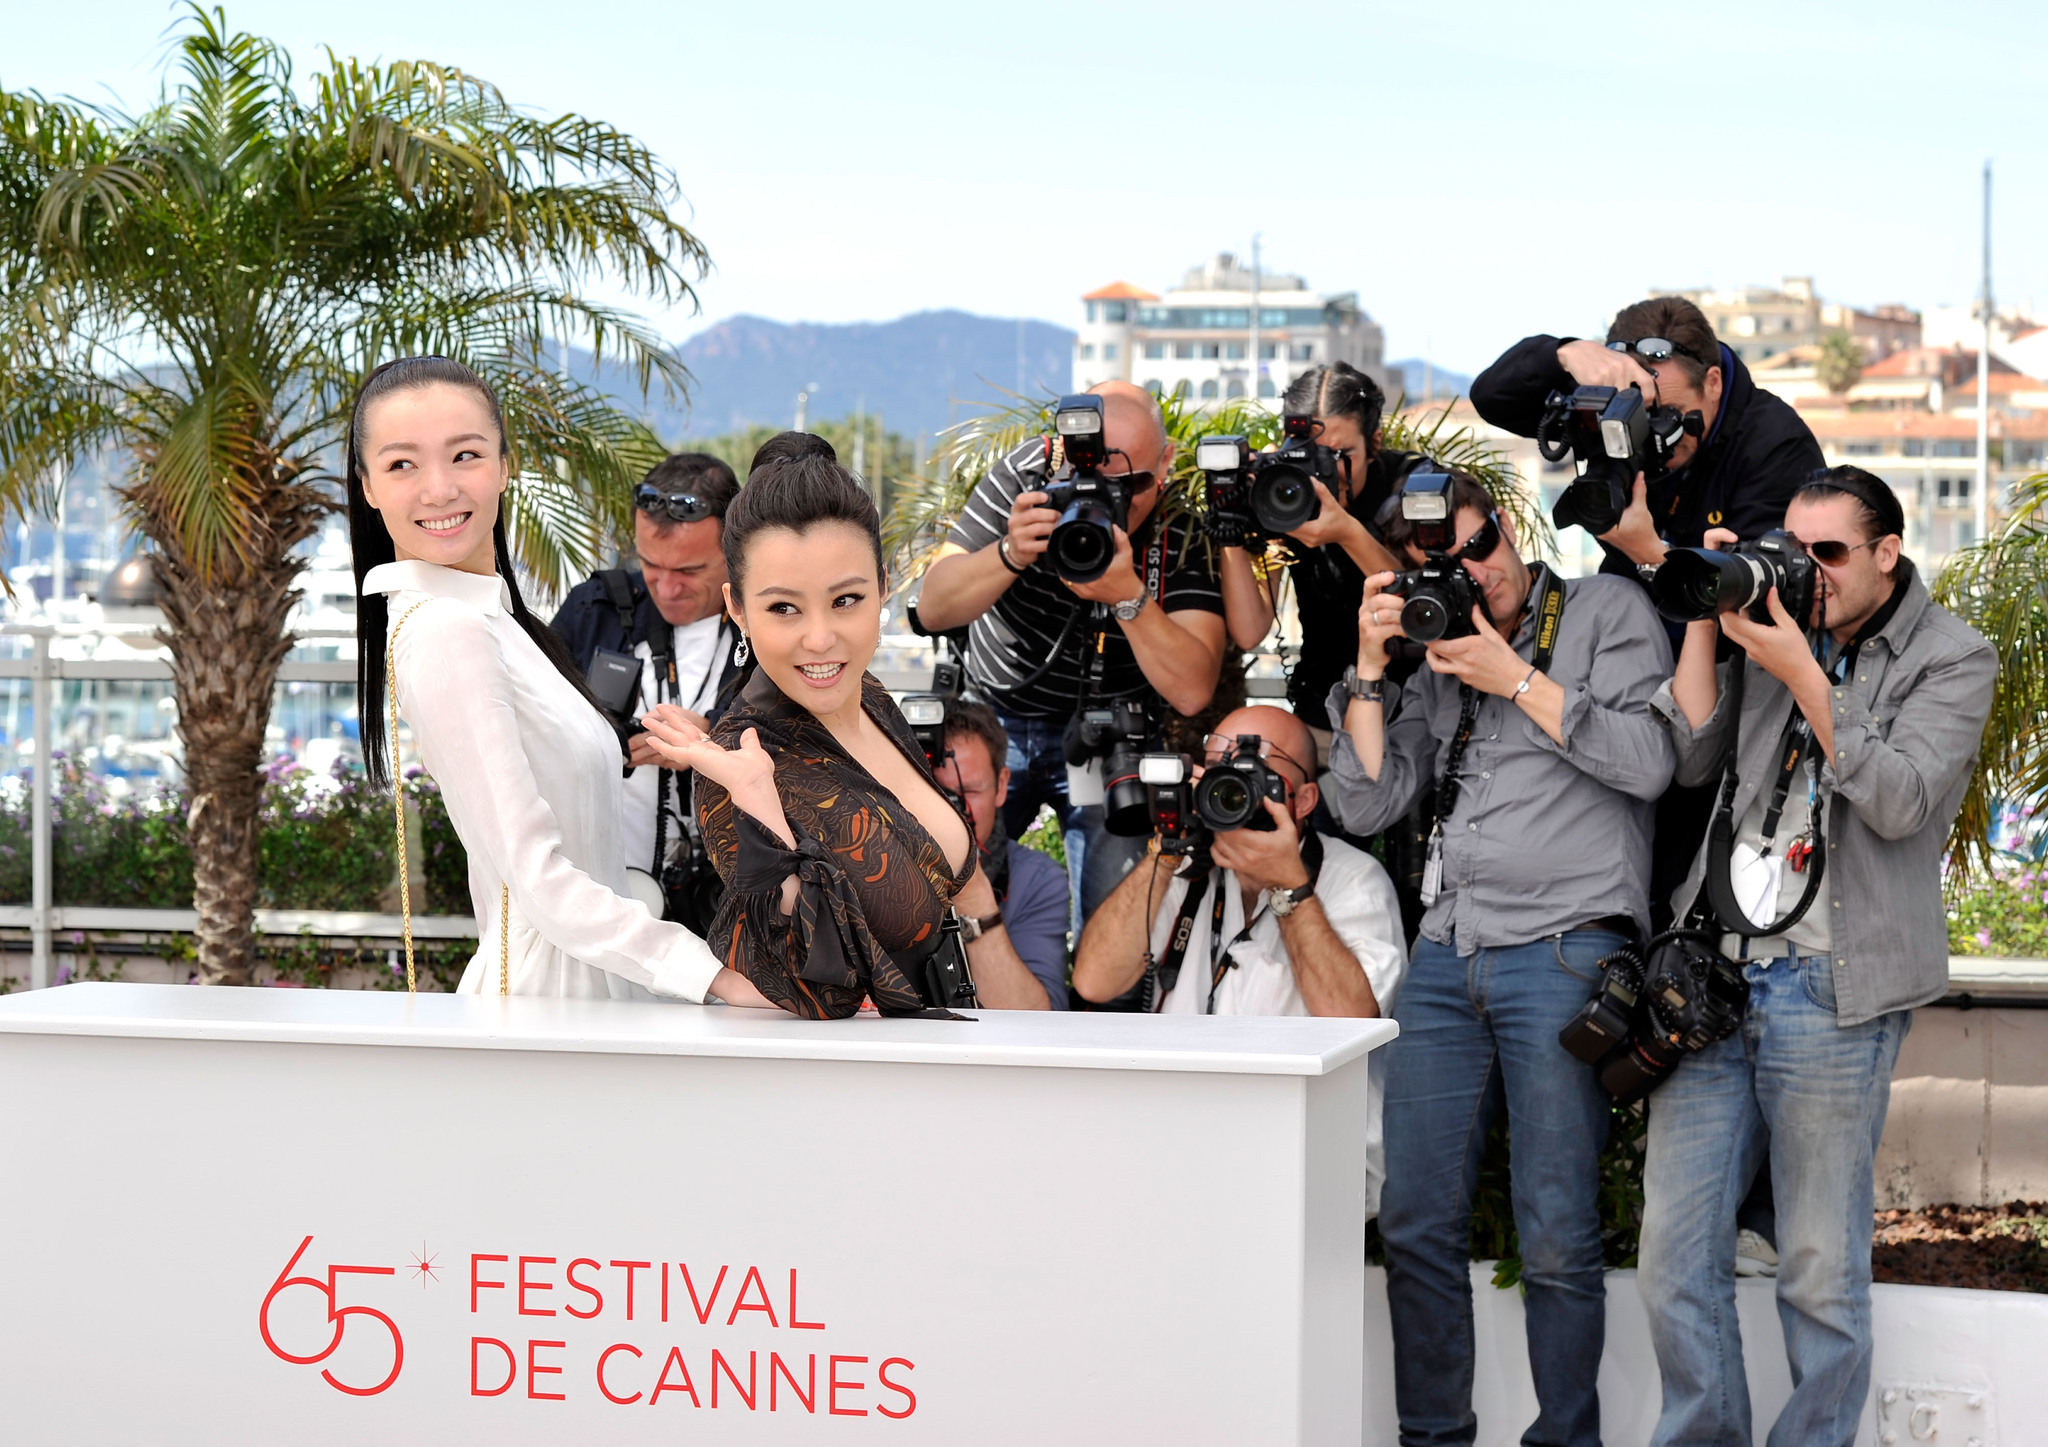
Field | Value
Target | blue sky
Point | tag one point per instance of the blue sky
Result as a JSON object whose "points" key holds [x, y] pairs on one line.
{"points": [[1474, 172]]}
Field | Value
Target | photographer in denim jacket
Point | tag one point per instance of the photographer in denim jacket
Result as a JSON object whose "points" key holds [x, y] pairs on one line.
{"points": [[1891, 693]]}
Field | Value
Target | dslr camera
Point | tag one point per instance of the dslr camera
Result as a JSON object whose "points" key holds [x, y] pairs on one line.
{"points": [[1233, 794], [1650, 1013], [1440, 595], [1114, 733], [1253, 496], [1089, 503], [1614, 434], [1694, 584]]}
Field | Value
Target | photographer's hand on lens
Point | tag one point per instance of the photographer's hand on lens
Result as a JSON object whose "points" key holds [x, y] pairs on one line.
{"points": [[1782, 650], [1119, 582], [1636, 533], [1379, 619], [1031, 525], [1331, 524], [1593, 364], [1489, 663], [1263, 858]]}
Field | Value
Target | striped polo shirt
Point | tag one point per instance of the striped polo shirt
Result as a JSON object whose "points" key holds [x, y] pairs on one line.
{"points": [[1007, 644]]}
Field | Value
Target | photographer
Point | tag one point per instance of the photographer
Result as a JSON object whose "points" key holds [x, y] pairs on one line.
{"points": [[1735, 468], [1020, 954], [661, 635], [1041, 647], [1536, 728], [1335, 550], [1287, 922], [1878, 697]]}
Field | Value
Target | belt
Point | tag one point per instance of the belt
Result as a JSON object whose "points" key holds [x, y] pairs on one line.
{"points": [[1619, 924]]}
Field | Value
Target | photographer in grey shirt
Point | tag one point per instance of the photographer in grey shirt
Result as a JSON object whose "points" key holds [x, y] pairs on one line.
{"points": [[1884, 694], [1536, 727]]}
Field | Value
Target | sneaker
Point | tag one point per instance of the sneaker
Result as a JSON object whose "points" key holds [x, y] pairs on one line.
{"points": [[1754, 1256]]}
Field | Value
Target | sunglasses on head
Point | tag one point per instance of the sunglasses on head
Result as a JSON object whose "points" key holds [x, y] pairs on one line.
{"points": [[681, 507], [1655, 349]]}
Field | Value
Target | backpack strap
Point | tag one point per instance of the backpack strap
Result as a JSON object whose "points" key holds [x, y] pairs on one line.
{"points": [[618, 587]]}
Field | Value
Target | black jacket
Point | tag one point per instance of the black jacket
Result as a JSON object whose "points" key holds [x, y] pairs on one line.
{"points": [[590, 619], [1744, 473]]}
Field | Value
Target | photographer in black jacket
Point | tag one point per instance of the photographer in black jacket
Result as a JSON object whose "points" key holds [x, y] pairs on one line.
{"points": [[1752, 452]]}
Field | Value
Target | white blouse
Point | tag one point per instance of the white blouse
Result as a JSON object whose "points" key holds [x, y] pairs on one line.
{"points": [[530, 773]]}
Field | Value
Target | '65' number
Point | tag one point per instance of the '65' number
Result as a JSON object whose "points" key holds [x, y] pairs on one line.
{"points": [[336, 1313]]}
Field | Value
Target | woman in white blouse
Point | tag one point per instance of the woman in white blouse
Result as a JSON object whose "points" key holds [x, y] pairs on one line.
{"points": [[528, 765]]}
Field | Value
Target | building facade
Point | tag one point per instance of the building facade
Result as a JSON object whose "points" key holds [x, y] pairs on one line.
{"points": [[1198, 338], [1761, 322]]}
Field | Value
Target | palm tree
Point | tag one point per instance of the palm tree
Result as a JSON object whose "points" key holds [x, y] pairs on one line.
{"points": [[202, 284], [1840, 363], [2000, 588]]}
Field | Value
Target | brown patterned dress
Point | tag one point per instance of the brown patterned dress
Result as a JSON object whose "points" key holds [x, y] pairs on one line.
{"points": [[874, 885]]}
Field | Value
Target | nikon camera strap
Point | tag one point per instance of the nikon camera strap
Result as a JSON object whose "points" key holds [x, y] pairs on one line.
{"points": [[1549, 617]]}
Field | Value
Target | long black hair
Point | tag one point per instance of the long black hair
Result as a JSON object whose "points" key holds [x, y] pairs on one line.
{"points": [[370, 544], [797, 493]]}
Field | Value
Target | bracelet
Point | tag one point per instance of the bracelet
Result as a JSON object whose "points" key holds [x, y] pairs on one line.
{"points": [[1003, 553], [1523, 687]]}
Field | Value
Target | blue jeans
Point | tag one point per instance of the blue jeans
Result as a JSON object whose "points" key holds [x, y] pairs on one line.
{"points": [[1097, 860], [1477, 1034], [1793, 1086]]}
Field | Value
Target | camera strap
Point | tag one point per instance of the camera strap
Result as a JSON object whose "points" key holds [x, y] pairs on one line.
{"points": [[1550, 597], [1719, 886], [1220, 961]]}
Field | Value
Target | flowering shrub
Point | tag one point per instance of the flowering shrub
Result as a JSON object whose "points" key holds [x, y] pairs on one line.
{"points": [[324, 843], [2003, 912]]}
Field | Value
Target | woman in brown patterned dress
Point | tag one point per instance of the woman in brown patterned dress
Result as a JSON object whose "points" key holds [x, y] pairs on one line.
{"points": [[839, 854]]}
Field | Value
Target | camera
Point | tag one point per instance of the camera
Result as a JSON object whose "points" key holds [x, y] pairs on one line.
{"points": [[1698, 583], [1233, 794], [1255, 495], [1089, 503], [1170, 801], [1649, 1014], [1614, 434], [926, 715], [1440, 595], [1116, 733]]}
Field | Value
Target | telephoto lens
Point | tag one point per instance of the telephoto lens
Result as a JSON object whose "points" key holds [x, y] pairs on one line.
{"points": [[1693, 584]]}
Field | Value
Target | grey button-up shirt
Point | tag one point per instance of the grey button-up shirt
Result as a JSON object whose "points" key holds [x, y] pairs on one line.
{"points": [[1908, 719], [1546, 836]]}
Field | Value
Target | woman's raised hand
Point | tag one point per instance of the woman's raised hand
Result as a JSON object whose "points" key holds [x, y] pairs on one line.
{"points": [[747, 773]]}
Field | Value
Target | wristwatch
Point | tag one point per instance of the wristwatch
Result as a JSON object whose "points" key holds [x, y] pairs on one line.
{"points": [[1371, 690], [1283, 901], [973, 929], [1129, 608]]}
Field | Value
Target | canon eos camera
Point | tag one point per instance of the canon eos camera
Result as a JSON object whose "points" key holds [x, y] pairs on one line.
{"points": [[1253, 496], [1440, 595], [1614, 434], [1229, 795], [1697, 583], [1090, 503]]}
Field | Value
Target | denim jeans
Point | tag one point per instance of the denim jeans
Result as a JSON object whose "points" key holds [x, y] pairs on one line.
{"points": [[1097, 860], [1478, 1034], [1794, 1086]]}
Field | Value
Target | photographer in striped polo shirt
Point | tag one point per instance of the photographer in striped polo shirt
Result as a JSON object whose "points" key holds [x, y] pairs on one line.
{"points": [[1034, 636]]}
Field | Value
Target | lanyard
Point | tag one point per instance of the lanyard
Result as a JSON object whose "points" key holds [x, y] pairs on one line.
{"points": [[1220, 961], [1549, 615]]}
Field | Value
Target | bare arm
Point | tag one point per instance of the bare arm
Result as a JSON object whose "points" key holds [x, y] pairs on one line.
{"points": [[1111, 956], [1331, 980], [960, 586], [1002, 981], [1247, 608]]}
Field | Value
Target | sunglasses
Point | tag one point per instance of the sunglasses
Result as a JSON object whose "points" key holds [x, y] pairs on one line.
{"points": [[1220, 748], [1482, 544], [681, 507], [1655, 349], [1834, 553]]}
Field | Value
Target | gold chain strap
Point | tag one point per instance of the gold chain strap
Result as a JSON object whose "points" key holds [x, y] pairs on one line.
{"points": [[398, 809]]}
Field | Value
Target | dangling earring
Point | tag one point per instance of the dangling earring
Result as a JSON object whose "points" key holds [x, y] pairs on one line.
{"points": [[739, 652]]}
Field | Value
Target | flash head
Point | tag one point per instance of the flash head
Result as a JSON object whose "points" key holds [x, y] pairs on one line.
{"points": [[1222, 454], [1164, 770], [924, 711], [1079, 415]]}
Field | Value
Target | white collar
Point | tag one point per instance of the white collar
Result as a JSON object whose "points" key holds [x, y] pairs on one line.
{"points": [[485, 594]]}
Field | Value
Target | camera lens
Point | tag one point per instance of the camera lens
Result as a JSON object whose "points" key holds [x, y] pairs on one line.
{"points": [[1224, 799], [1697, 583], [1424, 618], [1284, 499], [1127, 804], [1081, 550]]}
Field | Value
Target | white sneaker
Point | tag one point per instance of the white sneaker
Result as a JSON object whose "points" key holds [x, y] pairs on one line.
{"points": [[1754, 1256]]}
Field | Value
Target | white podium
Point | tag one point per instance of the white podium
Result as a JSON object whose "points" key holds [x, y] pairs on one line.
{"points": [[260, 1216]]}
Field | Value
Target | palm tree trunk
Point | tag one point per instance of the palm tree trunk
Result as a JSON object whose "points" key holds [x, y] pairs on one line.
{"points": [[227, 637]]}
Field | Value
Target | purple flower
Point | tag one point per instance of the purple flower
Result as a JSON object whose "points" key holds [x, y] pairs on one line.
{"points": [[1983, 939]]}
